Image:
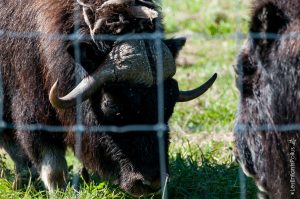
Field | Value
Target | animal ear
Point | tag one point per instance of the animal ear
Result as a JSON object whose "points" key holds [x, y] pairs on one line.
{"points": [[89, 55], [175, 45], [267, 18]]}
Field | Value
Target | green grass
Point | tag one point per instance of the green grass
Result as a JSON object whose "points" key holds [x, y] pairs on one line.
{"points": [[201, 160], [214, 111], [208, 17], [196, 172], [205, 172]]}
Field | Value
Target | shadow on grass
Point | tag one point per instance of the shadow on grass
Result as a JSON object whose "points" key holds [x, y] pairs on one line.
{"points": [[191, 181], [202, 178]]}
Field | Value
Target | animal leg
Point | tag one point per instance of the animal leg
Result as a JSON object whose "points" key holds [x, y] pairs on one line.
{"points": [[47, 152], [24, 170], [53, 169]]}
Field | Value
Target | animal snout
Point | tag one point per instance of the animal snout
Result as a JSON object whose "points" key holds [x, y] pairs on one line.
{"points": [[154, 185], [138, 186]]}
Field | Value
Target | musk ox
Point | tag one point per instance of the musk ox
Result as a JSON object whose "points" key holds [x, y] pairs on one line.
{"points": [[267, 133], [118, 86]]}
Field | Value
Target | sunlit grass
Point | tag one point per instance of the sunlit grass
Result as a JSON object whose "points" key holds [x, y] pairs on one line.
{"points": [[211, 17], [214, 111]]}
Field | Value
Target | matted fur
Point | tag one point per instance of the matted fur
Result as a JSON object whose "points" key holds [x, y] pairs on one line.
{"points": [[268, 78], [30, 66]]}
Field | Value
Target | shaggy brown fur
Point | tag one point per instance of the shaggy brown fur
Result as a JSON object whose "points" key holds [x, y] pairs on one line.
{"points": [[268, 78], [30, 66]]}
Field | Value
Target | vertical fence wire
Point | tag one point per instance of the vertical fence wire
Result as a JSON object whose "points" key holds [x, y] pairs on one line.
{"points": [[1, 101], [78, 129], [160, 108], [2, 122]]}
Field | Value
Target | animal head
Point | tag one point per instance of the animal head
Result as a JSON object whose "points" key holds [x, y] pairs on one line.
{"points": [[267, 69], [121, 89]]}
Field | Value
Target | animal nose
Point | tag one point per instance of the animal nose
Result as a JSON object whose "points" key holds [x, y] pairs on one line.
{"points": [[145, 187], [154, 185], [142, 187], [146, 182]]}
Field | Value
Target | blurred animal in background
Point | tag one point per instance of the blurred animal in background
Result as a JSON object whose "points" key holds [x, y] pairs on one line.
{"points": [[267, 133]]}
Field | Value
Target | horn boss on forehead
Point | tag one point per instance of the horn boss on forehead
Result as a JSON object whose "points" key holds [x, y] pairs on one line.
{"points": [[127, 61]]}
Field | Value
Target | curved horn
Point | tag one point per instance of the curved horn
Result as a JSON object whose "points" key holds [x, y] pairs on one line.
{"points": [[185, 96], [127, 61], [84, 89]]}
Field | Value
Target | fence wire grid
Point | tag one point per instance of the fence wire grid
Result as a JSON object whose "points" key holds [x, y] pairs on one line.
{"points": [[79, 128], [160, 127]]}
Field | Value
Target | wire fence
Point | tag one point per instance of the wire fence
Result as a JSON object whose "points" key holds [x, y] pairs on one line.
{"points": [[160, 127], [79, 127]]}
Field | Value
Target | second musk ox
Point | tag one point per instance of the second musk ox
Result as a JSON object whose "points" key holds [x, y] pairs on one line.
{"points": [[118, 87], [267, 134]]}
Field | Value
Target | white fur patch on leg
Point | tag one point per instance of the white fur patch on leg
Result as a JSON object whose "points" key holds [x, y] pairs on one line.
{"points": [[54, 169]]}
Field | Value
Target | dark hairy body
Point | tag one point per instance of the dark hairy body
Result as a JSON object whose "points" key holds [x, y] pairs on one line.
{"points": [[30, 66], [268, 78]]}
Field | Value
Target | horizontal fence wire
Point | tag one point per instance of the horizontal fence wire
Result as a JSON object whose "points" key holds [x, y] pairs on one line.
{"points": [[284, 128], [80, 37], [145, 36], [83, 128]]}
